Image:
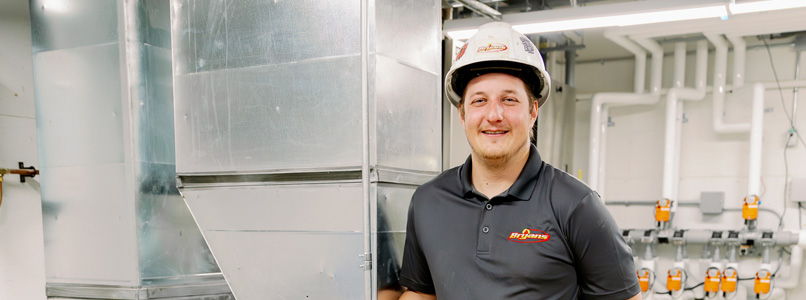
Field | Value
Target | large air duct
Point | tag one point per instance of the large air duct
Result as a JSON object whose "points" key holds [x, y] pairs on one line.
{"points": [[302, 130], [115, 226]]}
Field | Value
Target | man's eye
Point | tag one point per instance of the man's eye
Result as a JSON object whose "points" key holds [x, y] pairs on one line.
{"points": [[478, 100], [511, 100]]}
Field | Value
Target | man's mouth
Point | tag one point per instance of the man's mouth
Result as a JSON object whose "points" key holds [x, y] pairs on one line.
{"points": [[494, 132]]}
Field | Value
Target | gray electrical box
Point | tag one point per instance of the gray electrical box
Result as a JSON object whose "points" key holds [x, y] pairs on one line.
{"points": [[797, 190], [712, 202]]}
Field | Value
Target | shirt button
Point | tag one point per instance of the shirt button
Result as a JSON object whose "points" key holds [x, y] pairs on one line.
{"points": [[489, 206], [485, 229]]}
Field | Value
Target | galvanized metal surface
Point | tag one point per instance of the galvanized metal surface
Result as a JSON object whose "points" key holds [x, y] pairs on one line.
{"points": [[112, 217], [269, 137], [200, 287]]}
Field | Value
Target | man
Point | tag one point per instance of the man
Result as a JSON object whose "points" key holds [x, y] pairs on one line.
{"points": [[506, 225]]}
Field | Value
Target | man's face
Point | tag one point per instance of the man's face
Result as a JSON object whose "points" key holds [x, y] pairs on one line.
{"points": [[497, 117]]}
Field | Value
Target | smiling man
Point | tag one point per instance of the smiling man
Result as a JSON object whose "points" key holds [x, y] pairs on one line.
{"points": [[505, 224]]}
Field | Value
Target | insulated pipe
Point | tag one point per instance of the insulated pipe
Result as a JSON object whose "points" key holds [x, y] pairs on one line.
{"points": [[672, 118], [640, 60], [599, 108], [756, 133], [720, 67], [674, 109], [657, 63], [795, 263], [739, 54]]}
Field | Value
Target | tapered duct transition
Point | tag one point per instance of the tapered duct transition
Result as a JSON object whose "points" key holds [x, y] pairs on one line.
{"points": [[302, 130], [115, 225]]}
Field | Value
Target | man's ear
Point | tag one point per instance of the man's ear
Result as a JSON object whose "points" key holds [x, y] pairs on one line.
{"points": [[534, 111]]}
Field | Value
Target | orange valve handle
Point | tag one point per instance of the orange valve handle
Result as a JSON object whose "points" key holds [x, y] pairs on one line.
{"points": [[674, 281], [750, 210], [762, 285], [662, 209], [729, 279], [643, 279], [712, 280]]}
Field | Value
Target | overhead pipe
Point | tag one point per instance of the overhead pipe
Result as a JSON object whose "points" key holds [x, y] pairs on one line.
{"points": [[482, 9], [601, 104], [720, 68], [674, 108], [756, 133]]}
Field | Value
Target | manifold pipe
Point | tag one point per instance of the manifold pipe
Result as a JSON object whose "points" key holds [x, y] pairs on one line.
{"points": [[739, 58], [600, 105], [674, 108], [720, 68]]}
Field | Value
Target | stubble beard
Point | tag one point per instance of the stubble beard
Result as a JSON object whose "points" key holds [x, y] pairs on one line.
{"points": [[498, 158]]}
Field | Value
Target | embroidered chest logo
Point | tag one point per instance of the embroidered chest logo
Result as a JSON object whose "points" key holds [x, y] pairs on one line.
{"points": [[529, 236]]}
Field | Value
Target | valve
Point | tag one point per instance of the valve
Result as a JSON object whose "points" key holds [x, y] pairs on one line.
{"points": [[729, 279], [712, 279], [762, 285], [662, 209], [750, 210], [674, 280], [643, 279]]}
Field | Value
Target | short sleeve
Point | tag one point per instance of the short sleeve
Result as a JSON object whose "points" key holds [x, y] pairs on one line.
{"points": [[414, 273], [603, 259]]}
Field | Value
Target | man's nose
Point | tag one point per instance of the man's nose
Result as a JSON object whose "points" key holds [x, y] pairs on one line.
{"points": [[495, 111]]}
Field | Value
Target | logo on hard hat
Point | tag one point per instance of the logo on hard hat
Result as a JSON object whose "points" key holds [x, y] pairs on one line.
{"points": [[492, 47], [529, 236], [527, 45], [461, 52]]}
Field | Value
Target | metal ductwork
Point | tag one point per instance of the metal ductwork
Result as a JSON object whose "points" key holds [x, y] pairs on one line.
{"points": [[302, 130], [115, 226]]}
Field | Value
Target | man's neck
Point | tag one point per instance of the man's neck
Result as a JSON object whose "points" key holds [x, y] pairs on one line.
{"points": [[492, 177]]}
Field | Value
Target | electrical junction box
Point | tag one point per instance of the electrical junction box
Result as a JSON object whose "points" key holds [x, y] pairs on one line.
{"points": [[797, 190], [712, 202]]}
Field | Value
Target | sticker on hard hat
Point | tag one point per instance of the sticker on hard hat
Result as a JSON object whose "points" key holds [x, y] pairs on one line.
{"points": [[527, 45], [492, 47], [461, 52]]}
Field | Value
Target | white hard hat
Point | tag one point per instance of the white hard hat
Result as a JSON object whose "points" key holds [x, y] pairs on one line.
{"points": [[497, 48]]}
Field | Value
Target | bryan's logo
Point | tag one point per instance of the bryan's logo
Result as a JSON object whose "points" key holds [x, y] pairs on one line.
{"points": [[492, 47], [529, 236]]}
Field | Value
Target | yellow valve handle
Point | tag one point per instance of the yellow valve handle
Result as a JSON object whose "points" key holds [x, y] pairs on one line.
{"points": [[674, 280], [712, 280], [750, 210], [643, 279], [762, 285], [729, 280], [662, 209]]}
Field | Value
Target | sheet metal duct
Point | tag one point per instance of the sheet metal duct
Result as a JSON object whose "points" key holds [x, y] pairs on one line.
{"points": [[115, 226], [269, 121]]}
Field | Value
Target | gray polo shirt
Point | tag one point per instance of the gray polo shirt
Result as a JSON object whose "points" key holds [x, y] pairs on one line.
{"points": [[548, 236]]}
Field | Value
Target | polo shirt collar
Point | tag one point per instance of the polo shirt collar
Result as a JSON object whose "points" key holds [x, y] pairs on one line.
{"points": [[520, 190]]}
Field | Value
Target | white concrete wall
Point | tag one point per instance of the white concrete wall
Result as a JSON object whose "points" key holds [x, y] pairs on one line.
{"points": [[22, 267]]}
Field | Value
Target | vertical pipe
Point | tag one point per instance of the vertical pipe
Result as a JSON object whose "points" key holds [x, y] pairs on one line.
{"points": [[570, 64], [640, 60], [672, 132], [657, 63], [367, 258], [702, 66], [595, 144], [739, 54], [756, 132], [720, 68]]}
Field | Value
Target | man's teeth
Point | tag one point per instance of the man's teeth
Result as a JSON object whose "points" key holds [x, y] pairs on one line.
{"points": [[495, 132]]}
